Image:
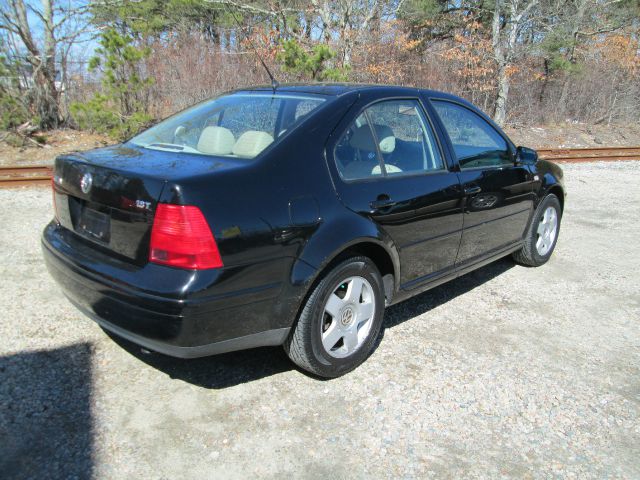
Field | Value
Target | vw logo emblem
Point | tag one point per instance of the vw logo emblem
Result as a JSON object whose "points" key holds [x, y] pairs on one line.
{"points": [[86, 182], [347, 316]]}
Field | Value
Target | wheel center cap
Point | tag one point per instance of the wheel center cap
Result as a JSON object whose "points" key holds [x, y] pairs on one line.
{"points": [[347, 315]]}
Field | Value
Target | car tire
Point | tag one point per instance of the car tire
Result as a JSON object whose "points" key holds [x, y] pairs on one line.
{"points": [[341, 319], [542, 233]]}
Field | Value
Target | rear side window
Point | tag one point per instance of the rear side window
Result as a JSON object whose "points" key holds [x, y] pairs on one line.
{"points": [[389, 138], [304, 107], [476, 143]]}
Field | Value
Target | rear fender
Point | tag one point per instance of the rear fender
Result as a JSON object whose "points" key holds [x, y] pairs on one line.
{"points": [[325, 246]]}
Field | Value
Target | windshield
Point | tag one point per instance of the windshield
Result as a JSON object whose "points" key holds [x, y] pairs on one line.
{"points": [[238, 125]]}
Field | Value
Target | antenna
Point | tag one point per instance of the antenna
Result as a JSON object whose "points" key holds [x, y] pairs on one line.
{"points": [[274, 82]]}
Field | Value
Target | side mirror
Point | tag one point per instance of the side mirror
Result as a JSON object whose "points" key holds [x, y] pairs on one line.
{"points": [[526, 156]]}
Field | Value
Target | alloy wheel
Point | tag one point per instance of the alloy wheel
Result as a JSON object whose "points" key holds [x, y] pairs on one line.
{"points": [[547, 230], [347, 317]]}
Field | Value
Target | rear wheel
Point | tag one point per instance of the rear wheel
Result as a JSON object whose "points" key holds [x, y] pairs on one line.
{"points": [[340, 321], [542, 234]]}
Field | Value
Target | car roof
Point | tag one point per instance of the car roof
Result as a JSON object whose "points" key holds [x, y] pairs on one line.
{"points": [[337, 89]]}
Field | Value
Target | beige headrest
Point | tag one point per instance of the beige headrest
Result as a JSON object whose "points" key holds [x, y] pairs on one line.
{"points": [[362, 138], [251, 143], [388, 144], [390, 169], [216, 141]]}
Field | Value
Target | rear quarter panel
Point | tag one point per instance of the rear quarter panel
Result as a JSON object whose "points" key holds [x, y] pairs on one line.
{"points": [[272, 213]]}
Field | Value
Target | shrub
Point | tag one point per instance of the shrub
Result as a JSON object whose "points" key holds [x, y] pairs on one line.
{"points": [[99, 115], [120, 111], [313, 65]]}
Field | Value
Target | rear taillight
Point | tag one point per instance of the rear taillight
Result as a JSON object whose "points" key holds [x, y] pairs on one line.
{"points": [[181, 238]]}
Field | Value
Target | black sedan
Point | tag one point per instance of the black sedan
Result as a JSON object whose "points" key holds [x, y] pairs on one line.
{"points": [[293, 216]]}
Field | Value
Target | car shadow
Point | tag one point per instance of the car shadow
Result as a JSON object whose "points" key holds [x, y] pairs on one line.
{"points": [[218, 371], [46, 425], [424, 302], [230, 369]]}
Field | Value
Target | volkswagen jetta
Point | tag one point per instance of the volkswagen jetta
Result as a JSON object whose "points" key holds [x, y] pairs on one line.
{"points": [[293, 216]]}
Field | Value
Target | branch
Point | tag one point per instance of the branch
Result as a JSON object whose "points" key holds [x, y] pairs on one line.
{"points": [[398, 8], [529, 6], [371, 16], [75, 13], [19, 22], [250, 8], [72, 37], [9, 29], [10, 23], [37, 12], [598, 32]]}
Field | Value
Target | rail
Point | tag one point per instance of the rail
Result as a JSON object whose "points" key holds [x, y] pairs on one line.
{"points": [[25, 175], [598, 154]]}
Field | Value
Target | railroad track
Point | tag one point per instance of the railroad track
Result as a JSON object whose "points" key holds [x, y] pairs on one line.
{"points": [[17, 176], [599, 154]]}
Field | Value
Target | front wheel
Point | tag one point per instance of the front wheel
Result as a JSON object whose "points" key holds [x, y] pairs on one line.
{"points": [[340, 322], [542, 234]]}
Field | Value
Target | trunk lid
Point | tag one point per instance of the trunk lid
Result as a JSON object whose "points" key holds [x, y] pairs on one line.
{"points": [[109, 196]]}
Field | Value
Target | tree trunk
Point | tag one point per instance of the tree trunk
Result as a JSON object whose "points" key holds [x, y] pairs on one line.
{"points": [[47, 103], [500, 113], [46, 98], [308, 26], [44, 92], [505, 26]]}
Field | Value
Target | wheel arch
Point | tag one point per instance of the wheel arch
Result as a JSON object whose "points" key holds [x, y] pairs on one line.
{"points": [[551, 181], [385, 258], [380, 256], [557, 190], [383, 255]]}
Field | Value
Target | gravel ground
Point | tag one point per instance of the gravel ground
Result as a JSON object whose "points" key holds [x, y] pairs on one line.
{"points": [[506, 372]]}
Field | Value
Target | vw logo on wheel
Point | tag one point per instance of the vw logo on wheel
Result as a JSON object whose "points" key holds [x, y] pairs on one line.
{"points": [[347, 316], [86, 182]]}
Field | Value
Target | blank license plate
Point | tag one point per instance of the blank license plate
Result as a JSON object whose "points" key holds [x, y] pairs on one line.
{"points": [[94, 225]]}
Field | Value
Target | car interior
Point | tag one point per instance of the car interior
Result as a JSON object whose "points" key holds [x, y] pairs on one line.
{"points": [[216, 140], [357, 156], [241, 126]]}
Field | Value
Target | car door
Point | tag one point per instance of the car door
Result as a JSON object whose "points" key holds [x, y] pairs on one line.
{"points": [[389, 166], [498, 192]]}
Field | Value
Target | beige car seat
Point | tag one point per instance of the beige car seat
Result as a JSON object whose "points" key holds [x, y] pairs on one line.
{"points": [[216, 141], [251, 143]]}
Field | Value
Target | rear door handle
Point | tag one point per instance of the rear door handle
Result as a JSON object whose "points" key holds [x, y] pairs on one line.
{"points": [[382, 203], [472, 190]]}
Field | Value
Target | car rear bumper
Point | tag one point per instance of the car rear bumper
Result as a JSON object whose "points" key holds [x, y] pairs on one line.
{"points": [[262, 339], [185, 324]]}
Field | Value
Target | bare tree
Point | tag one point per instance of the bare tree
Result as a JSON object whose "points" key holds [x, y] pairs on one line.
{"points": [[509, 16], [58, 24], [346, 21]]}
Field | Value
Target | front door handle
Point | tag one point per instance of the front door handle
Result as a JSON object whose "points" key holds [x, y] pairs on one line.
{"points": [[382, 202], [472, 190]]}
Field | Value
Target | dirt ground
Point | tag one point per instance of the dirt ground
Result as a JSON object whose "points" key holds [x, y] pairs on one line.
{"points": [[507, 372], [568, 135], [576, 135], [57, 143]]}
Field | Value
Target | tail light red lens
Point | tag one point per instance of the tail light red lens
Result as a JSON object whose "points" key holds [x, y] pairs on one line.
{"points": [[181, 238]]}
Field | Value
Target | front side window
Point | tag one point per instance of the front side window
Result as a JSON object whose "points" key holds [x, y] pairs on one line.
{"points": [[475, 142], [238, 125], [389, 138]]}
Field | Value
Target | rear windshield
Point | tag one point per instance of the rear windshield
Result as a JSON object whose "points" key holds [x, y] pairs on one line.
{"points": [[238, 125]]}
